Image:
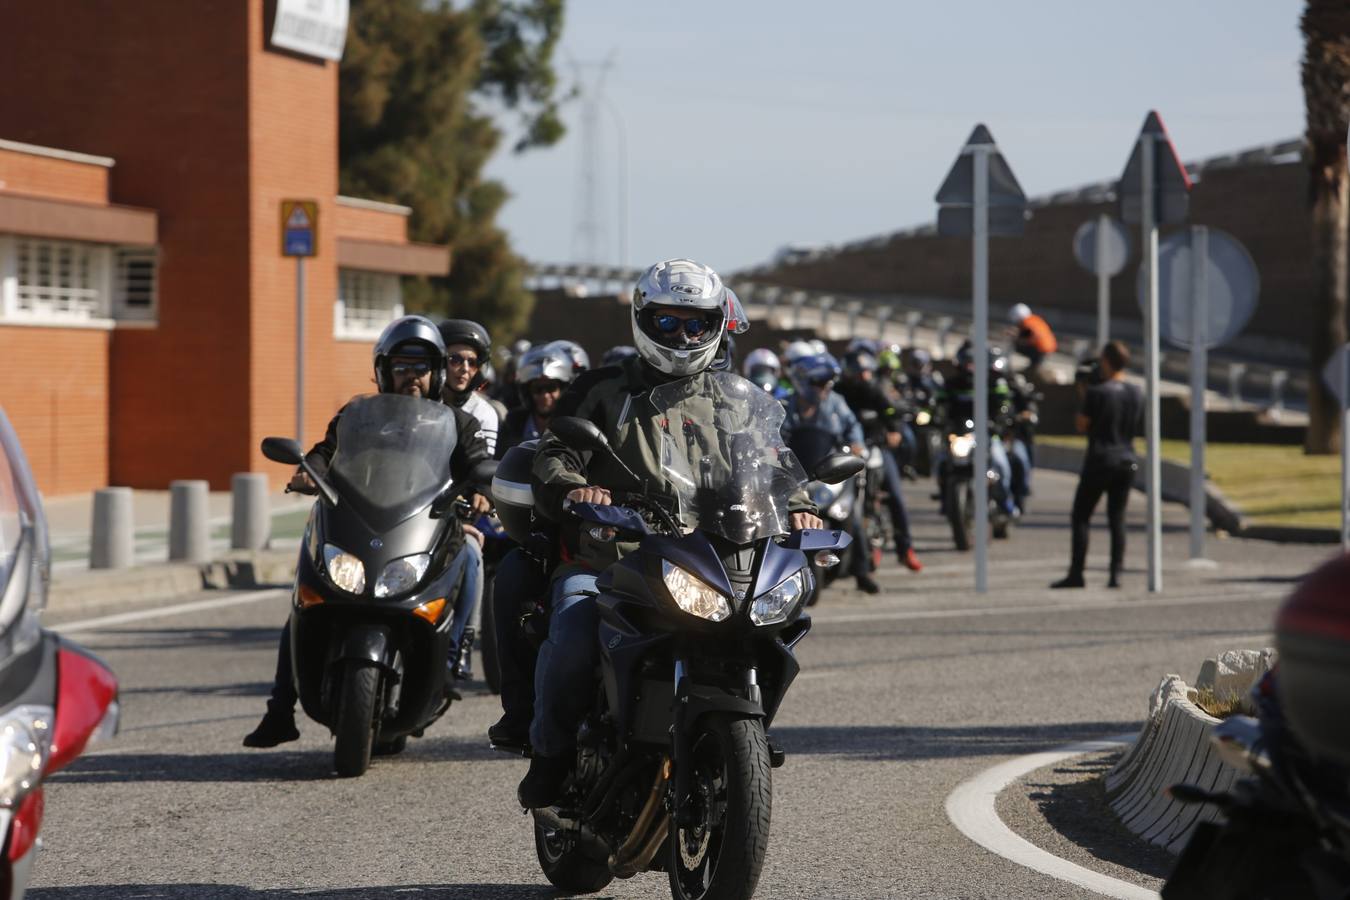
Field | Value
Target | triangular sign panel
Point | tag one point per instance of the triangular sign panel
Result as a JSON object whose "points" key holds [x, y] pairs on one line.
{"points": [[956, 196], [1171, 183], [298, 217]]}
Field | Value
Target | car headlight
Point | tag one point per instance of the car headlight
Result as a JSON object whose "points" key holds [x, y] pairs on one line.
{"points": [[345, 570], [402, 574], [773, 606], [692, 595], [962, 445], [25, 746]]}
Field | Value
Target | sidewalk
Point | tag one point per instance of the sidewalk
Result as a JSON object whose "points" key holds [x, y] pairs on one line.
{"points": [[69, 520]]}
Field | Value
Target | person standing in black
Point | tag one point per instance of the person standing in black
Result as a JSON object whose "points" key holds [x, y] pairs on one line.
{"points": [[1110, 417]]}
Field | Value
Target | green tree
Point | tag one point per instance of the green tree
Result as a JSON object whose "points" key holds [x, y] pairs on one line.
{"points": [[1326, 92], [418, 87]]}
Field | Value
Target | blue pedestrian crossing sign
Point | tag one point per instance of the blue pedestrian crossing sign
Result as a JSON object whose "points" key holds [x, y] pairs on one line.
{"points": [[299, 227]]}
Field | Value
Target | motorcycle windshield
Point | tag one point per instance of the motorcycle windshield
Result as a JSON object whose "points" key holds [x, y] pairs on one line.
{"points": [[21, 520], [723, 457], [393, 456]]}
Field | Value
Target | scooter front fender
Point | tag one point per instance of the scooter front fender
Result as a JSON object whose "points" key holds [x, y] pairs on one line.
{"points": [[367, 643]]}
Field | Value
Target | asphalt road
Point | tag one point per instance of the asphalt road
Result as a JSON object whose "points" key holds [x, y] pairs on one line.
{"points": [[903, 696]]}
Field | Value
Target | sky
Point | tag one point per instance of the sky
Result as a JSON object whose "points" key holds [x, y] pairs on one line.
{"points": [[751, 125]]}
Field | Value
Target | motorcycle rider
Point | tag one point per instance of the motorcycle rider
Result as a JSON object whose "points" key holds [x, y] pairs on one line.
{"points": [[762, 367], [814, 404], [542, 375], [409, 360], [1020, 433], [1033, 337], [679, 317], [886, 431], [956, 399], [468, 348]]}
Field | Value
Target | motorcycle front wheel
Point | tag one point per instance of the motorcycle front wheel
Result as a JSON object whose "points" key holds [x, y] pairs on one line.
{"points": [[719, 856], [355, 730], [957, 504]]}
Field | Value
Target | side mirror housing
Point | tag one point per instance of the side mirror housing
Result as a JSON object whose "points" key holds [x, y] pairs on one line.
{"points": [[282, 450], [838, 468], [578, 433]]}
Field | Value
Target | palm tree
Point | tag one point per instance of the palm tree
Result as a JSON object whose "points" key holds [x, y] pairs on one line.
{"points": [[1326, 93]]}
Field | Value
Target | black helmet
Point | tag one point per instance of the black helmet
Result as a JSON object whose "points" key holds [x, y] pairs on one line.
{"points": [[410, 336], [465, 331]]}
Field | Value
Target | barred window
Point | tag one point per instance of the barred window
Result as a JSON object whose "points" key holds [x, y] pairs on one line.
{"points": [[58, 280], [134, 282], [367, 301]]}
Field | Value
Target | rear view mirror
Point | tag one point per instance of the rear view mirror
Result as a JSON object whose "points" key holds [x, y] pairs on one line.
{"points": [[838, 467], [578, 433], [282, 450]]}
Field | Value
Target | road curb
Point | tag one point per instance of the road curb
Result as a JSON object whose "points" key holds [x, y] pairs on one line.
{"points": [[1176, 487], [100, 589], [1174, 747]]}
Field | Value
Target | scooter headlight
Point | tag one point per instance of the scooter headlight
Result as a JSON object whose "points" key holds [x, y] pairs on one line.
{"points": [[345, 570], [962, 445], [402, 574], [25, 747], [692, 595], [773, 606]]}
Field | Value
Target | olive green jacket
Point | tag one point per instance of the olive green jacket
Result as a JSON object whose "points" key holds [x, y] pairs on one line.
{"points": [[616, 399]]}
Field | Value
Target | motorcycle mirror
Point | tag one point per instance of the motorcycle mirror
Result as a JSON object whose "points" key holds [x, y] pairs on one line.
{"points": [[282, 450], [578, 433], [838, 468]]}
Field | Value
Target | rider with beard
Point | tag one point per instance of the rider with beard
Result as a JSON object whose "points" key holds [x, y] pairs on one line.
{"points": [[886, 430], [409, 360], [814, 404], [680, 315]]}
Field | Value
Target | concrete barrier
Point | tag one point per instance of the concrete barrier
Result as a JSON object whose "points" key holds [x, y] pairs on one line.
{"points": [[189, 529], [250, 519], [1174, 747], [113, 532]]}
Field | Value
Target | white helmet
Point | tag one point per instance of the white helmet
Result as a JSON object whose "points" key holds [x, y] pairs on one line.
{"points": [[1019, 312], [666, 342], [796, 350], [763, 358]]}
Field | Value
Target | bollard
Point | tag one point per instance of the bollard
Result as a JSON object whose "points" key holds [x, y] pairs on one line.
{"points": [[113, 539], [854, 308], [189, 532], [912, 320], [1235, 372], [944, 328], [250, 521], [1278, 379], [883, 313]]}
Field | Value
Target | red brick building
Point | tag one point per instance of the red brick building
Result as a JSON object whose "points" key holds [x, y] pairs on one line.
{"points": [[147, 316]]}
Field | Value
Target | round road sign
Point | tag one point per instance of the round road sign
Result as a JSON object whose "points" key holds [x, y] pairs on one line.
{"points": [[1115, 248], [1228, 279]]}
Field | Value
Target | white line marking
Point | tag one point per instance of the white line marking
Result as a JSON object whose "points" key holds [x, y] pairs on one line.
{"points": [[972, 809], [162, 611], [903, 614]]}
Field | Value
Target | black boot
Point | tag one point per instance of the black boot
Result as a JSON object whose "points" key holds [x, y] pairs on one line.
{"points": [[1072, 580], [507, 734], [277, 727], [542, 785], [867, 584]]}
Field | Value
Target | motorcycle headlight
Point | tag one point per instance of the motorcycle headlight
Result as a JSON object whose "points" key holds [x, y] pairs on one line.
{"points": [[402, 574], [773, 606], [25, 746], [345, 570], [839, 510], [962, 445], [692, 595], [923, 417]]}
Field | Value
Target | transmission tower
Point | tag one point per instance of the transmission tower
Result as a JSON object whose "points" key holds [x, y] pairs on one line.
{"points": [[588, 234]]}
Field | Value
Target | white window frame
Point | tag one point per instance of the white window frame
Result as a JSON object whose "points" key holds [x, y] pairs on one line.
{"points": [[107, 309], [364, 320]]}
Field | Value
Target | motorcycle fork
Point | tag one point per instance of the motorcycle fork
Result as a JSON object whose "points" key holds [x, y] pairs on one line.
{"points": [[681, 752]]}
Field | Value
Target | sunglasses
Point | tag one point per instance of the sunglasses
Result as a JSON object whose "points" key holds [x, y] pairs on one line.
{"points": [[418, 369], [821, 382], [545, 387], [671, 325], [462, 359]]}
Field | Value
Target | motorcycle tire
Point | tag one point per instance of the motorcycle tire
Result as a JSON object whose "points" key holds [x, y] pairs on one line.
{"points": [[957, 505], [1246, 858], [1002, 529], [356, 720], [487, 640], [722, 860], [566, 867]]}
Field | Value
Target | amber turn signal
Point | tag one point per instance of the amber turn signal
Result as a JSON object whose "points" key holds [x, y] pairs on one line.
{"points": [[431, 610], [307, 597]]}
